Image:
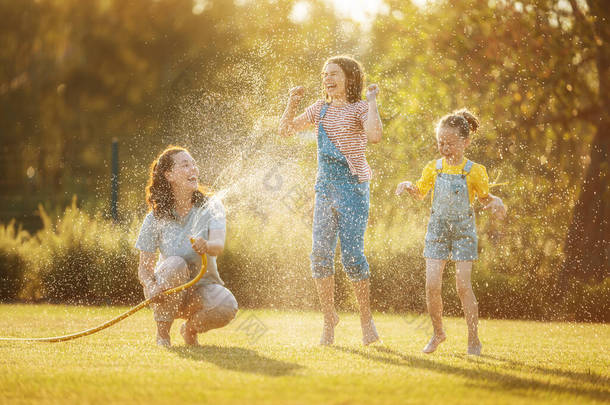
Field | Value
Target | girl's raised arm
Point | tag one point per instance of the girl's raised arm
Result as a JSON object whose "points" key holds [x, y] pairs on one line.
{"points": [[288, 123], [372, 126]]}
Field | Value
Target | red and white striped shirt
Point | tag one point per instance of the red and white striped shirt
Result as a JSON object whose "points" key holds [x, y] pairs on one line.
{"points": [[345, 128]]}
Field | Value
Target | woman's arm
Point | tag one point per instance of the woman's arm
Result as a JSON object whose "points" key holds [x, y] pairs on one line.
{"points": [[213, 246], [216, 241], [288, 123], [372, 126], [146, 272]]}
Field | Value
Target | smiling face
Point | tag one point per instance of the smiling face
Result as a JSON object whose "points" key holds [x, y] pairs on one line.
{"points": [[184, 175], [333, 80], [450, 144]]}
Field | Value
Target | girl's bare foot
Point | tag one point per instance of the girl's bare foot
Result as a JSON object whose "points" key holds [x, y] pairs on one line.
{"points": [[328, 330], [369, 333], [189, 335], [474, 346], [434, 342]]}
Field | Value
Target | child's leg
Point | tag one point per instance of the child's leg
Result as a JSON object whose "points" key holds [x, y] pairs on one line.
{"points": [[357, 269], [369, 332], [362, 290], [326, 293], [322, 261], [353, 219], [434, 300], [463, 271]]}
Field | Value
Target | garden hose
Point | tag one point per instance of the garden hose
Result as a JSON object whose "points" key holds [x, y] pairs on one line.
{"points": [[119, 318]]}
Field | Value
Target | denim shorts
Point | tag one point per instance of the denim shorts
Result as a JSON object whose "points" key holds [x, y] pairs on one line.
{"points": [[451, 239]]}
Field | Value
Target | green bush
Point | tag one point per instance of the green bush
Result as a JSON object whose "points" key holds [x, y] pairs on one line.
{"points": [[587, 302], [86, 260], [82, 259], [13, 266]]}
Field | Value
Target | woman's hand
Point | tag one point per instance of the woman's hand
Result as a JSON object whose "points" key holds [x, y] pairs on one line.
{"points": [[371, 92], [497, 208], [200, 245], [408, 186]]}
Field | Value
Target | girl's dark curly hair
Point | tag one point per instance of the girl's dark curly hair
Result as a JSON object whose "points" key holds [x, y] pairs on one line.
{"points": [[354, 77], [159, 193]]}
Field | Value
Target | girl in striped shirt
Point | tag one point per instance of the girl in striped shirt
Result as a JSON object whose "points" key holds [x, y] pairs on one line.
{"points": [[345, 124]]}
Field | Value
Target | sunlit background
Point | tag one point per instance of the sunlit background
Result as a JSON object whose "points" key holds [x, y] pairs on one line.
{"points": [[213, 76]]}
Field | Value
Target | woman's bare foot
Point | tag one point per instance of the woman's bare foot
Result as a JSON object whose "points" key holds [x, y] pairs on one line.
{"points": [[189, 335], [163, 341], [328, 330], [369, 333], [434, 342], [163, 329]]}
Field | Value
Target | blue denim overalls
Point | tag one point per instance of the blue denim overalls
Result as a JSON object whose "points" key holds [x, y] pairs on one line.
{"points": [[451, 229], [341, 209]]}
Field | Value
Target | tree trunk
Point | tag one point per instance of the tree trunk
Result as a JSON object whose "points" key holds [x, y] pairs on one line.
{"points": [[587, 245]]}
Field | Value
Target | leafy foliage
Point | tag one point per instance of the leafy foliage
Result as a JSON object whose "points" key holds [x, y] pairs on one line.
{"points": [[213, 76]]}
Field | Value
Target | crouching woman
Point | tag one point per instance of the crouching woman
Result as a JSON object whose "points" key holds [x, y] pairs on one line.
{"points": [[183, 224]]}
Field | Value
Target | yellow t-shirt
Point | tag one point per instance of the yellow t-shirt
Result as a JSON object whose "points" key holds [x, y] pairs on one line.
{"points": [[477, 180]]}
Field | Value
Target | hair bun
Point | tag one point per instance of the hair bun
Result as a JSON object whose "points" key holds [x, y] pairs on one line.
{"points": [[473, 122]]}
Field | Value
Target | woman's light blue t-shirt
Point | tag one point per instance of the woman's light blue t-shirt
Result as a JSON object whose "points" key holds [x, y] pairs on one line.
{"points": [[172, 238]]}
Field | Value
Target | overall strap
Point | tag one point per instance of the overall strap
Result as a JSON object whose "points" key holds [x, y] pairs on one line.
{"points": [[323, 110], [467, 167], [439, 165]]}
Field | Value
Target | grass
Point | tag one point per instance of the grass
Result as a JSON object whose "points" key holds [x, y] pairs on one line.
{"points": [[271, 357]]}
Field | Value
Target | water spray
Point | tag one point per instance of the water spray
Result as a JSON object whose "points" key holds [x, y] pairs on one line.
{"points": [[231, 171]]}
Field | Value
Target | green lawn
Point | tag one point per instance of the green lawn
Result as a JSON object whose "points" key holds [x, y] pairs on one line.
{"points": [[271, 357]]}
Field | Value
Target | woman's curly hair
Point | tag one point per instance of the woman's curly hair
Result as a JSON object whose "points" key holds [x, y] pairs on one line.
{"points": [[159, 193]]}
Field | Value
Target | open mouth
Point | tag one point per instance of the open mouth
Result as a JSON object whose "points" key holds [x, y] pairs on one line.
{"points": [[193, 179]]}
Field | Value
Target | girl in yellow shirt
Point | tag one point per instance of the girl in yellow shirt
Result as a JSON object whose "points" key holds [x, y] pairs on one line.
{"points": [[454, 181]]}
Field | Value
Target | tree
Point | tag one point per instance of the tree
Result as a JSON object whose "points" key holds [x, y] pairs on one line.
{"points": [[587, 244]]}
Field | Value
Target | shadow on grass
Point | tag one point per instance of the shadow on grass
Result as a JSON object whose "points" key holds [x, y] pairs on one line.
{"points": [[588, 377], [238, 359], [488, 378]]}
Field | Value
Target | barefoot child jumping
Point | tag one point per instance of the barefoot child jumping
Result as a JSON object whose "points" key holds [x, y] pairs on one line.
{"points": [[454, 181], [345, 125]]}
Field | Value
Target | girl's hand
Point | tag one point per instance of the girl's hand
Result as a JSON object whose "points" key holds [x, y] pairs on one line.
{"points": [[296, 93], [371, 92], [408, 186], [200, 245], [497, 208]]}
